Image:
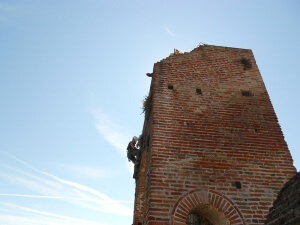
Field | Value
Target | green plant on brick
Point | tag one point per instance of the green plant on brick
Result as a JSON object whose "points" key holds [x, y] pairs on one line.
{"points": [[247, 63]]}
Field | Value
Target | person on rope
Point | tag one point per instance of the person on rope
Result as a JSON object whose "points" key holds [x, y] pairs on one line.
{"points": [[133, 153]]}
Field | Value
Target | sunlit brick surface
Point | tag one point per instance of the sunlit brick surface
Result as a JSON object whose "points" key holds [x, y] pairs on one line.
{"points": [[220, 147]]}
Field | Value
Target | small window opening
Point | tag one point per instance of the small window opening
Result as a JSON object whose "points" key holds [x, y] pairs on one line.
{"points": [[198, 91], [238, 185], [246, 93], [170, 87]]}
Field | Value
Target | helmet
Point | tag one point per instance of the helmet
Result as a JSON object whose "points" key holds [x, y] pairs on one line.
{"points": [[135, 138]]}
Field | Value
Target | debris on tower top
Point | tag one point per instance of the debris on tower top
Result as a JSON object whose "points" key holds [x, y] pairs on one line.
{"points": [[176, 52]]}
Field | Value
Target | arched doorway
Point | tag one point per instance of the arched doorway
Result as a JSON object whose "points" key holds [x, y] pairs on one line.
{"points": [[205, 214], [195, 219], [205, 205]]}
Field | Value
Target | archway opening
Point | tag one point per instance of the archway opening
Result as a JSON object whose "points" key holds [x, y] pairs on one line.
{"points": [[195, 219], [205, 214]]}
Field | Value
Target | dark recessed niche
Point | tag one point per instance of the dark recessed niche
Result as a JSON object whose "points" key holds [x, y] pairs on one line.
{"points": [[195, 219], [238, 185], [198, 91], [246, 93], [170, 87]]}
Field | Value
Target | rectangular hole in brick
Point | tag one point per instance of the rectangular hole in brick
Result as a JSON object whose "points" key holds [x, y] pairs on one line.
{"points": [[238, 185], [170, 87], [198, 91], [246, 93]]}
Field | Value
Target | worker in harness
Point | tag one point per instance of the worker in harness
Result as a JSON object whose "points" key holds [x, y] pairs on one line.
{"points": [[133, 153]]}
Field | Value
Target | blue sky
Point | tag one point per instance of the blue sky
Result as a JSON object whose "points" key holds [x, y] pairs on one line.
{"points": [[72, 80]]}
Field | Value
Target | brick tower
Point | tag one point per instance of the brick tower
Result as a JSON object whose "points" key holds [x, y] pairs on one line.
{"points": [[212, 149]]}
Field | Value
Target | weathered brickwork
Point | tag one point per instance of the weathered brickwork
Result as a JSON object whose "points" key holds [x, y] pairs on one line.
{"points": [[286, 208], [211, 144]]}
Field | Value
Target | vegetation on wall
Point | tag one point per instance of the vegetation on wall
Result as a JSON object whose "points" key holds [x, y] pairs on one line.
{"points": [[147, 105], [247, 63]]}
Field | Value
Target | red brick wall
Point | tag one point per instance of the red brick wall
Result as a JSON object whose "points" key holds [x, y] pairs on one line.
{"points": [[197, 147], [286, 208]]}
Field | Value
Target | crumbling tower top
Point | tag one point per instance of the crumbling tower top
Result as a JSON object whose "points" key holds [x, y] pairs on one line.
{"points": [[212, 144]]}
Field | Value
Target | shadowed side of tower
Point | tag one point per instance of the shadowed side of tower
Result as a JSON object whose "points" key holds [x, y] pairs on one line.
{"points": [[212, 146]]}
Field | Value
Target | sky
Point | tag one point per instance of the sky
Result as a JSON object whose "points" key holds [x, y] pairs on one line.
{"points": [[72, 81]]}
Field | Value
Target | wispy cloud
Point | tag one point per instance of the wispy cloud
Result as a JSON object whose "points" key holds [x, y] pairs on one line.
{"points": [[85, 171], [29, 216], [167, 29], [41, 196], [57, 197], [113, 133], [50, 186]]}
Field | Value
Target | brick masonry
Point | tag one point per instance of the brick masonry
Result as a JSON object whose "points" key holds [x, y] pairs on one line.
{"points": [[211, 141], [286, 208]]}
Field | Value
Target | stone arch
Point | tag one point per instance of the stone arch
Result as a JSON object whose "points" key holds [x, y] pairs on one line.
{"points": [[212, 202]]}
